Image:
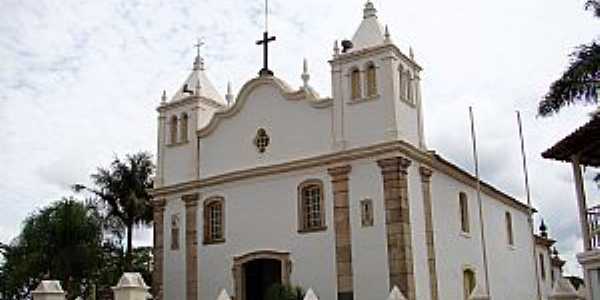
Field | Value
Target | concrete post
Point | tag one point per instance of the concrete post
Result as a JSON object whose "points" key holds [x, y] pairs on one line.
{"points": [[395, 294], [581, 203], [131, 286], [49, 290]]}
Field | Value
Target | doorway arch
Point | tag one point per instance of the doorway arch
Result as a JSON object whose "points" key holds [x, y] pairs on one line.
{"points": [[264, 266]]}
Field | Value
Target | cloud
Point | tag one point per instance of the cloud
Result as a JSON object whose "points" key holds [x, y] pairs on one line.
{"points": [[80, 81]]}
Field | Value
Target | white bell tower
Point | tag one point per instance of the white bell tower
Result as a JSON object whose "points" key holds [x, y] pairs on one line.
{"points": [[376, 89]]}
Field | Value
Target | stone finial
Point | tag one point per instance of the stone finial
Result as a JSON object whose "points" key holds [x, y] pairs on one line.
{"points": [[370, 10], [411, 53], [229, 95], [305, 74], [131, 286], [336, 48], [49, 290], [163, 97], [395, 294], [223, 295], [388, 37], [563, 290], [310, 295], [543, 229], [478, 294]]}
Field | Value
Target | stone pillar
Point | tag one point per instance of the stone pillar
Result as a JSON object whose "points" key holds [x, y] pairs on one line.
{"points": [[397, 221], [49, 290], [429, 235], [131, 286], [343, 234], [159, 242], [191, 246]]}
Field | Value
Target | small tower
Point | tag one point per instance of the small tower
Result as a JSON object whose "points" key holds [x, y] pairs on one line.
{"points": [[190, 109], [376, 89]]}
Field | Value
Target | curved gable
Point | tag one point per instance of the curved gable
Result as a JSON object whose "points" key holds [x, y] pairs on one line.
{"points": [[295, 124]]}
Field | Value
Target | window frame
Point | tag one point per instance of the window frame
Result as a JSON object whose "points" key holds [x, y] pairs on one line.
{"points": [[371, 86], [184, 128], [303, 227], [510, 235], [471, 271], [173, 130], [356, 90], [208, 235], [463, 210]]}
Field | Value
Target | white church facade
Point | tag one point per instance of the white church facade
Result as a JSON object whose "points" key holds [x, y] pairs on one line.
{"points": [[339, 194]]}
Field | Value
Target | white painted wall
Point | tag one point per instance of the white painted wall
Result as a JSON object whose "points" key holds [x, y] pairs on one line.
{"points": [[545, 284], [296, 129], [174, 261], [261, 214]]}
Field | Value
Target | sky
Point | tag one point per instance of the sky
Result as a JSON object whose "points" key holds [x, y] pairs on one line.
{"points": [[80, 82]]}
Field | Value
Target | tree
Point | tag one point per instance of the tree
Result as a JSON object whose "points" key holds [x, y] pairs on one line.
{"points": [[61, 242], [122, 191], [580, 83]]}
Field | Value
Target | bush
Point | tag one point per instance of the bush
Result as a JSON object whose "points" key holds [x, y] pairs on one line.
{"points": [[284, 292]]}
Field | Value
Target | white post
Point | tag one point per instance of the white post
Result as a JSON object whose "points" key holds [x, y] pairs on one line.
{"points": [[49, 290], [310, 295], [395, 294], [579, 188], [131, 286], [478, 294], [223, 295]]}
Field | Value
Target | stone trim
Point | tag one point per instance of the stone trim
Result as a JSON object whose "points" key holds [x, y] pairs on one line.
{"points": [[426, 174], [191, 246], [431, 159], [398, 228], [302, 228], [238, 268], [343, 233], [207, 239], [158, 207]]}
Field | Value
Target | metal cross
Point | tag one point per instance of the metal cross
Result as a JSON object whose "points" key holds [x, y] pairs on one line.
{"points": [[198, 46]]}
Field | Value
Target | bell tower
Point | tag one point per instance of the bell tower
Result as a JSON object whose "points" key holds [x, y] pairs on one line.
{"points": [[376, 89]]}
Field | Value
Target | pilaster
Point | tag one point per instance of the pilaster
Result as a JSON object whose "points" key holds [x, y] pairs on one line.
{"points": [[398, 227], [191, 246], [158, 207], [343, 234], [426, 174]]}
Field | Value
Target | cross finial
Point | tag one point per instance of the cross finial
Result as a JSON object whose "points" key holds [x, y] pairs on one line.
{"points": [[199, 61], [265, 43]]}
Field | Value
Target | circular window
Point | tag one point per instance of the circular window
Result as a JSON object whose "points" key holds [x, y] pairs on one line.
{"points": [[262, 140]]}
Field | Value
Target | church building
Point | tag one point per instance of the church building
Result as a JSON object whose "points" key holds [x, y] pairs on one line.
{"points": [[339, 194]]}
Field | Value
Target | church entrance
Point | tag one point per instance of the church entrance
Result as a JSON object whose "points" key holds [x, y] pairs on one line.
{"points": [[255, 272], [259, 276]]}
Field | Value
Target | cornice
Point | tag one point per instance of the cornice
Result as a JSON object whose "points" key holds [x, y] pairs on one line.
{"points": [[192, 99], [366, 52]]}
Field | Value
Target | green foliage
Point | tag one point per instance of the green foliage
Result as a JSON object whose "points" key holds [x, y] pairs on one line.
{"points": [[122, 195], [284, 292], [61, 242], [580, 83]]}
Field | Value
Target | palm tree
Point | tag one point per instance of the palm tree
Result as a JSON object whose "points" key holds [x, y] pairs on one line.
{"points": [[580, 83], [122, 191]]}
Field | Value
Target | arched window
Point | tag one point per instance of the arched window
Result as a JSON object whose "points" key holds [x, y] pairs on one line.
{"points": [[371, 80], [214, 220], [469, 283], [183, 128], [509, 229], [542, 267], [311, 206], [463, 203], [355, 84], [401, 81], [173, 130]]}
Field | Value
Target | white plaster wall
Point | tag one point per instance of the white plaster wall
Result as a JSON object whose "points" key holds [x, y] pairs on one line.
{"points": [[511, 269], [296, 129], [174, 261], [545, 284], [369, 246], [261, 214], [419, 238], [179, 159]]}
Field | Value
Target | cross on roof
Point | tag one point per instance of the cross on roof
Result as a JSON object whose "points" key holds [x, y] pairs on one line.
{"points": [[265, 43], [199, 45]]}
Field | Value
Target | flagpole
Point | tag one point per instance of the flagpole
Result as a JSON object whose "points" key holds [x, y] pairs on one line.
{"points": [[529, 204], [479, 200]]}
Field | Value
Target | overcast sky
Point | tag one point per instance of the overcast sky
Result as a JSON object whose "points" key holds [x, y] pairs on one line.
{"points": [[80, 81]]}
